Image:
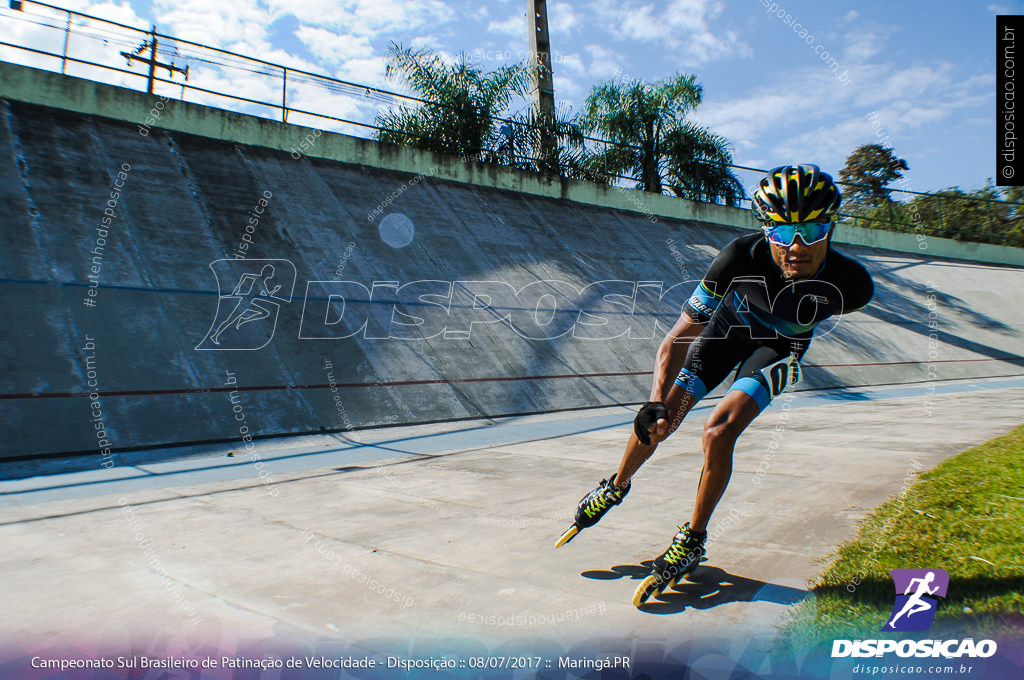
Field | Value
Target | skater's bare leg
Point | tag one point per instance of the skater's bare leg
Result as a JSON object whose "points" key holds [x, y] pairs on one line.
{"points": [[724, 425], [678, 404]]}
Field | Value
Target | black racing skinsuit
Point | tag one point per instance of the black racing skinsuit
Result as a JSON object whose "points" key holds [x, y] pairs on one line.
{"points": [[756, 317]]}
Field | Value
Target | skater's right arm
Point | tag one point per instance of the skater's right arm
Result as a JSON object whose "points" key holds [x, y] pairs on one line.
{"points": [[671, 355], [653, 417], [733, 260], [697, 313]]}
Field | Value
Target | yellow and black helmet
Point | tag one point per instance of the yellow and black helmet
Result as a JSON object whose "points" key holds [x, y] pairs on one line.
{"points": [[796, 193]]}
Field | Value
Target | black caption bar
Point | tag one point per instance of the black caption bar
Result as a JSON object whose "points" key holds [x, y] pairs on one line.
{"points": [[1009, 150]]}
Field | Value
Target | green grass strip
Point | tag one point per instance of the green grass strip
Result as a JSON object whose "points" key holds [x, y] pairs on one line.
{"points": [[966, 516]]}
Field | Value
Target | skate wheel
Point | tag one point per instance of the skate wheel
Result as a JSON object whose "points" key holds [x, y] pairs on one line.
{"points": [[648, 588], [665, 585], [567, 536]]}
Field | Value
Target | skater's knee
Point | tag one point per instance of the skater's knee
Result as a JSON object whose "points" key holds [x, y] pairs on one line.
{"points": [[721, 428]]}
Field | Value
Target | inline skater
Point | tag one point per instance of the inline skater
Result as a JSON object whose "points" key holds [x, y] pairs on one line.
{"points": [[757, 307]]}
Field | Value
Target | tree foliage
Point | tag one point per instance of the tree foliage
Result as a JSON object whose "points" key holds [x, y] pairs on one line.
{"points": [[462, 102], [872, 167], [987, 215], [464, 114], [970, 215], [656, 143], [523, 144]]}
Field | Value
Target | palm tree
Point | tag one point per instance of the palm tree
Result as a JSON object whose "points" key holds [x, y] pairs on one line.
{"points": [[462, 116], [524, 144], [698, 162], [462, 102], [655, 143]]}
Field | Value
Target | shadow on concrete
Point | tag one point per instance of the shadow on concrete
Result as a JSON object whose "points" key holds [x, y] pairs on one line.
{"points": [[902, 302], [948, 302], [899, 309], [705, 588], [632, 571], [838, 394]]}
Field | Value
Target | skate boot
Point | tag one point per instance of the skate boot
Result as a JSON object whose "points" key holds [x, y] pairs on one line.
{"points": [[682, 557], [592, 508]]}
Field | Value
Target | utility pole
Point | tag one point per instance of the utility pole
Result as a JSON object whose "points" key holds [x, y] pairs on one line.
{"points": [[151, 45], [544, 92]]}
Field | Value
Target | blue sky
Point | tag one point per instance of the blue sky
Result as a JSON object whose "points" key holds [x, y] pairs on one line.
{"points": [[926, 68]]}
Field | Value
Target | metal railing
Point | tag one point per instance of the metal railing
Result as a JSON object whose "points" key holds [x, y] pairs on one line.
{"points": [[94, 48], [105, 50]]}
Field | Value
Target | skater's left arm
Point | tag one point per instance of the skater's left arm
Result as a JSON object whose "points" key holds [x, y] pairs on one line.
{"points": [[858, 288]]}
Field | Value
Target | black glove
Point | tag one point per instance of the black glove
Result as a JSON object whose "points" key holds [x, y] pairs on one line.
{"points": [[649, 414]]}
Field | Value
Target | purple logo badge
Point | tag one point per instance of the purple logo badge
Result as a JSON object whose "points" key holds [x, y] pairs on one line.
{"points": [[916, 590]]}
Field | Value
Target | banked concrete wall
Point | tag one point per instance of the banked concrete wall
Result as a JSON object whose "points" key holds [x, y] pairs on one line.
{"points": [[489, 255]]}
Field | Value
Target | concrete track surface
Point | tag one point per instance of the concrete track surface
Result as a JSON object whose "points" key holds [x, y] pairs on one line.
{"points": [[455, 524]]}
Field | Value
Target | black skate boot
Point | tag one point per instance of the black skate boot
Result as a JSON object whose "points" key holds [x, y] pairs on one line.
{"points": [[593, 507], [682, 557]]}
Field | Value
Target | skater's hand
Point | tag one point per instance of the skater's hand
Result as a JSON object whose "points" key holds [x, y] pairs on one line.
{"points": [[652, 418]]}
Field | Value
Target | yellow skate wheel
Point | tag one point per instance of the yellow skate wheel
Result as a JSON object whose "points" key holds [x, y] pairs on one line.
{"points": [[567, 536], [647, 588]]}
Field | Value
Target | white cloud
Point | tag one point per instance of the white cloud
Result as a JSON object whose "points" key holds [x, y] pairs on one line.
{"points": [[245, 22], [827, 145], [604, 62], [91, 41], [230, 25], [748, 114], [367, 17], [434, 43], [332, 47], [562, 18], [568, 90], [981, 80], [123, 14], [571, 63], [861, 47], [347, 36], [514, 26], [915, 82], [830, 118], [683, 26], [917, 116]]}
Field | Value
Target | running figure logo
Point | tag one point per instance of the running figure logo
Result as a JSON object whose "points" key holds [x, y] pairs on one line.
{"points": [[914, 610], [247, 316]]}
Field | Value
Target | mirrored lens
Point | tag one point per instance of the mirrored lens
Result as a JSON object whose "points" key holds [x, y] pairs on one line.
{"points": [[785, 234]]}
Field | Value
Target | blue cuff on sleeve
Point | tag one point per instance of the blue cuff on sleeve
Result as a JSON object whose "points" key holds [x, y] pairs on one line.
{"points": [[692, 384], [702, 304]]}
